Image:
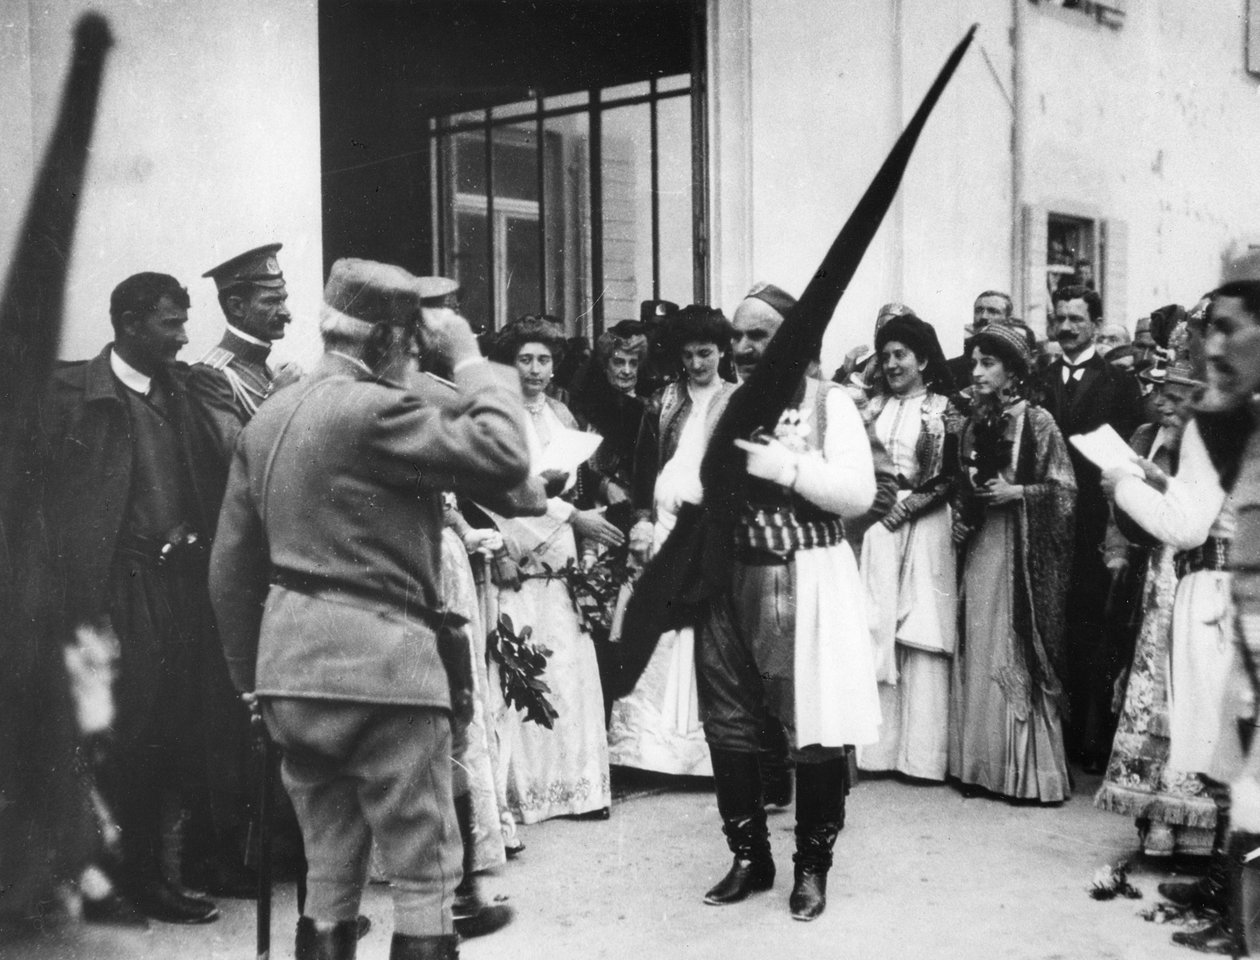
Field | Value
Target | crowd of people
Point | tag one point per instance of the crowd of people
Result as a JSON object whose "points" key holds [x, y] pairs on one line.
{"points": [[412, 567]]}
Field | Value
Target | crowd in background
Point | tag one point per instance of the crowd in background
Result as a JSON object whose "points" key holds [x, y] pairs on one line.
{"points": [[1025, 608]]}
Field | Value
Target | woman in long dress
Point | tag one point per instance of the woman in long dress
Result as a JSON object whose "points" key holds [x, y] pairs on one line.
{"points": [[564, 770], [1174, 811], [657, 726], [1015, 494], [908, 564]]}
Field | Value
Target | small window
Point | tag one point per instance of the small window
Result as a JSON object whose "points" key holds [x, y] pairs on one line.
{"points": [[1071, 252], [1109, 13]]}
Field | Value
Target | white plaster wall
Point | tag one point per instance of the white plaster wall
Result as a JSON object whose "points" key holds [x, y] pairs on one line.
{"points": [[1157, 124], [809, 96], [206, 144]]}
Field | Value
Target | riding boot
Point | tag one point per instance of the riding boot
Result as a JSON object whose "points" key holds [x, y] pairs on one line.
{"points": [[445, 947], [337, 943], [776, 765], [820, 790], [738, 785], [473, 916], [1209, 891]]}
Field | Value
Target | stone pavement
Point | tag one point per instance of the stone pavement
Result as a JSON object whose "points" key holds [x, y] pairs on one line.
{"points": [[920, 872]]}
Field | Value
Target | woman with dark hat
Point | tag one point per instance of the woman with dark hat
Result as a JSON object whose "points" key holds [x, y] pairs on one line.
{"points": [[908, 560], [1014, 495]]}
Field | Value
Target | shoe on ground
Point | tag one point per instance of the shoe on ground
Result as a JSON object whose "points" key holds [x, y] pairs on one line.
{"points": [[161, 901], [1197, 894], [744, 877], [1213, 938], [114, 911], [809, 894], [488, 918]]}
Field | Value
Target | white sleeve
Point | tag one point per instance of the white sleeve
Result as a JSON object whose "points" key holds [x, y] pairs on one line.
{"points": [[560, 510], [842, 481], [1183, 515]]}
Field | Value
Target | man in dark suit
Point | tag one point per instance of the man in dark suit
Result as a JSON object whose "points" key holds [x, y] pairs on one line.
{"points": [[1083, 392], [124, 509]]}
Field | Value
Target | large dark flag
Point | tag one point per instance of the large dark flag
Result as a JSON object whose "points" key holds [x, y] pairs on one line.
{"points": [[694, 562]]}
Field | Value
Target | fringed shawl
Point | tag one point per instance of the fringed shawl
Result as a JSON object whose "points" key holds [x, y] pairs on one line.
{"points": [[1042, 566]]}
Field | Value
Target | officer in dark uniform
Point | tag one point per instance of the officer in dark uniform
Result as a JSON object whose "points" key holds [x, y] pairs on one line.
{"points": [[227, 385]]}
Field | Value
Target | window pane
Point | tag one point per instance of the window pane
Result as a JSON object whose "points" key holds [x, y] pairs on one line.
{"points": [[627, 193], [510, 110], [515, 163], [469, 255], [522, 275], [673, 131], [568, 214], [578, 99], [470, 163], [679, 81], [625, 90]]}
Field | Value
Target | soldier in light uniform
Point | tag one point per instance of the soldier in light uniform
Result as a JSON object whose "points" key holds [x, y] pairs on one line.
{"points": [[253, 298]]}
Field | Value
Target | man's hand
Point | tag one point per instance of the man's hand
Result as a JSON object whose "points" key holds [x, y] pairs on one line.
{"points": [[288, 373], [771, 461], [591, 525], [487, 540], [446, 336], [1154, 476]]}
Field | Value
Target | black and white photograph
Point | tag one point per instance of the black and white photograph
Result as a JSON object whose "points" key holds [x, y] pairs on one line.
{"points": [[699, 479]]}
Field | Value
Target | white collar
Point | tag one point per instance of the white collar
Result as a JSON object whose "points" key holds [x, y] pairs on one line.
{"points": [[1086, 355], [355, 360], [248, 338], [131, 378]]}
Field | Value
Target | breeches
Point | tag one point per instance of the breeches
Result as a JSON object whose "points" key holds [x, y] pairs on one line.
{"points": [[360, 771], [745, 661]]}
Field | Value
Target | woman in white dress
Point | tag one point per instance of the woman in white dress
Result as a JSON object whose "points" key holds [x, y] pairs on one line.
{"points": [[562, 771], [657, 726], [908, 565]]}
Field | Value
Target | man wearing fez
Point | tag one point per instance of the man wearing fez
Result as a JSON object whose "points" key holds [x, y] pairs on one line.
{"points": [[329, 606], [1083, 392], [787, 638], [126, 515]]}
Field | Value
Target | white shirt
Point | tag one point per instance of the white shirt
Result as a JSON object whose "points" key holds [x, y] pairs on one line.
{"points": [[1071, 368], [131, 378]]}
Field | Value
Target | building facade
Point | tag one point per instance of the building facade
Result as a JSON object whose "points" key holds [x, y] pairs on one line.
{"points": [[576, 157]]}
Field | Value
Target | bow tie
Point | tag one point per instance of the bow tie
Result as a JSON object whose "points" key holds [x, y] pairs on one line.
{"points": [[1073, 371]]}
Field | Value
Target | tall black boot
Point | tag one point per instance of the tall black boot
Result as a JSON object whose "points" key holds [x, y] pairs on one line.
{"points": [[1209, 891], [403, 947], [338, 943], [738, 784], [473, 916], [776, 765], [820, 790]]}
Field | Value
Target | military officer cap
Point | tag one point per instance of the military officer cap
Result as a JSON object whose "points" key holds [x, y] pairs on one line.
{"points": [[652, 312], [257, 268], [436, 291]]}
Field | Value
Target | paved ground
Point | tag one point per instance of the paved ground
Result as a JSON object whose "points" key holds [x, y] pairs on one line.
{"points": [[920, 872]]}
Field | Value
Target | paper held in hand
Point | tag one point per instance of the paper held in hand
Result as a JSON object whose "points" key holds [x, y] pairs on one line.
{"points": [[1105, 449], [566, 450]]}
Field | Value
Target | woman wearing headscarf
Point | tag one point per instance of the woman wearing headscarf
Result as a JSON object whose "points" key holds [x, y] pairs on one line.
{"points": [[1014, 495], [908, 566]]}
